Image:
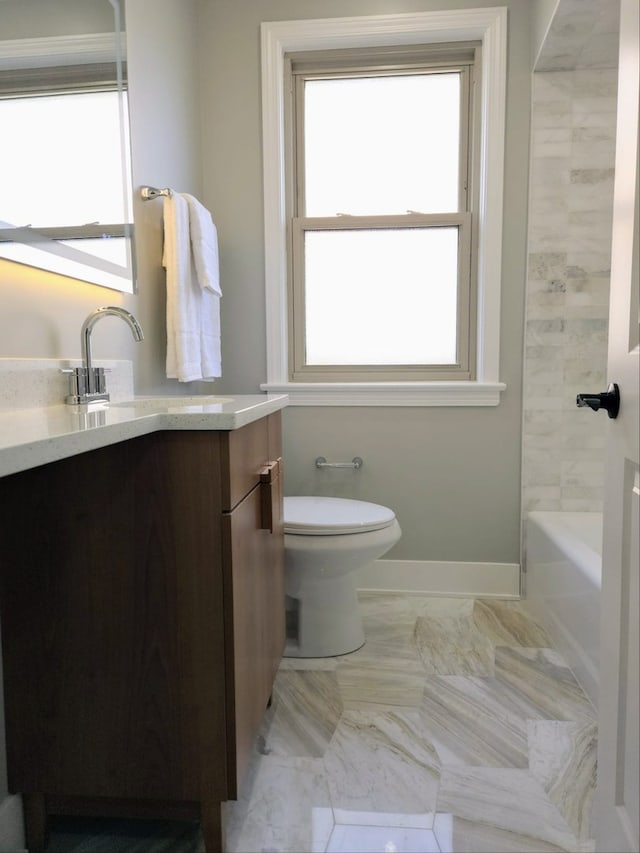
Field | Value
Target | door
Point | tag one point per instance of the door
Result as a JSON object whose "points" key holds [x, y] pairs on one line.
{"points": [[617, 797]]}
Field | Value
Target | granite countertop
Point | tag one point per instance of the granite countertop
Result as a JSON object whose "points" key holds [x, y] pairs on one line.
{"points": [[40, 434]]}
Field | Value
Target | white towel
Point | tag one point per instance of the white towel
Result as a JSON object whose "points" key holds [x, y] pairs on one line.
{"points": [[193, 310], [204, 244]]}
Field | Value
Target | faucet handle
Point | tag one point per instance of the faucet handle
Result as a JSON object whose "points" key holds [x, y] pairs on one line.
{"points": [[86, 385], [97, 382], [78, 385]]}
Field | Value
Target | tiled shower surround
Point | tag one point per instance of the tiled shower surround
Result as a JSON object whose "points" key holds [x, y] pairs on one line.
{"points": [[570, 214]]}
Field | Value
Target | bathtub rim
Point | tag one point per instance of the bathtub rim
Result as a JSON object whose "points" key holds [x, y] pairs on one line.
{"points": [[573, 640], [586, 554]]}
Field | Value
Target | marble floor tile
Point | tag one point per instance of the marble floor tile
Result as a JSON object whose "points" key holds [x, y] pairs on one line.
{"points": [[378, 839], [476, 721], [509, 800], [452, 645], [424, 820], [381, 761], [304, 713], [285, 808], [395, 642], [389, 608], [562, 757], [543, 677], [322, 664], [456, 835], [431, 605], [380, 682], [506, 623], [388, 627]]}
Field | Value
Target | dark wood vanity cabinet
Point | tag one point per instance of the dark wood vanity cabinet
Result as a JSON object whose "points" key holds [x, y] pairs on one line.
{"points": [[142, 607]]}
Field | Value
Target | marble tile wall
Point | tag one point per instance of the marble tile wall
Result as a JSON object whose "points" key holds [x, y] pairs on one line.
{"points": [[583, 34], [570, 210]]}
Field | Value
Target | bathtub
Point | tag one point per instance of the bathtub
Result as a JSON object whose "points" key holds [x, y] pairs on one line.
{"points": [[563, 584]]}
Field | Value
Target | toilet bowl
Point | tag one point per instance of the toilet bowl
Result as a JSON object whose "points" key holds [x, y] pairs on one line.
{"points": [[326, 541]]}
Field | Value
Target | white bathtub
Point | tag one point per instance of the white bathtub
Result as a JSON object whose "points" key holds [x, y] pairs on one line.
{"points": [[563, 585]]}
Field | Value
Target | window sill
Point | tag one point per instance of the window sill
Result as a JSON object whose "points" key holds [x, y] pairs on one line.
{"points": [[389, 393]]}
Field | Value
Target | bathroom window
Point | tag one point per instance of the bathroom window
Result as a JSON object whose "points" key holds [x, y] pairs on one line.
{"points": [[383, 143], [381, 215]]}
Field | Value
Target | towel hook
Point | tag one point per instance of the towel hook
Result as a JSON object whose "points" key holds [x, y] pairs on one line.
{"points": [[149, 193]]}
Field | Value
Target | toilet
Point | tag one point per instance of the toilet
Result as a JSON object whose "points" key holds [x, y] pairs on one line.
{"points": [[326, 541]]}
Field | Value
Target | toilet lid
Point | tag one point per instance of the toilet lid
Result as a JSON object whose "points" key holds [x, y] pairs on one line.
{"points": [[325, 516]]}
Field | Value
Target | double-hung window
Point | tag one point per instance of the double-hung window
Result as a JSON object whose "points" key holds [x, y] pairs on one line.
{"points": [[382, 197], [383, 156]]}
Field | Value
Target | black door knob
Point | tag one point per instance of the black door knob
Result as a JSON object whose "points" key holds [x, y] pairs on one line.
{"points": [[609, 400]]}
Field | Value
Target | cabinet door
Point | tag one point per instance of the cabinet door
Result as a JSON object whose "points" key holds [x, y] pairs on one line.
{"points": [[111, 597], [254, 624]]}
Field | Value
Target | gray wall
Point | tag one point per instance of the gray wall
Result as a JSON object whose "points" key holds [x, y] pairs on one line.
{"points": [[451, 474], [165, 136]]}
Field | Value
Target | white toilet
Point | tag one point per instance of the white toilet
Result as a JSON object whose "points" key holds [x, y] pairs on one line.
{"points": [[326, 541]]}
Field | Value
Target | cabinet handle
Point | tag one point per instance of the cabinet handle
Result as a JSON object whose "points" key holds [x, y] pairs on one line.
{"points": [[270, 471], [270, 495]]}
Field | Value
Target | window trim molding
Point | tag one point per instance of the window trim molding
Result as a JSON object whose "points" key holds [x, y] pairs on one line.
{"points": [[280, 37]]}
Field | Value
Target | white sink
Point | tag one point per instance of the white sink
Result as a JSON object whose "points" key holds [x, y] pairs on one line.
{"points": [[181, 403]]}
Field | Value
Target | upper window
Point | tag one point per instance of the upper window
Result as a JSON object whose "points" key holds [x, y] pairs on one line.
{"points": [[383, 141], [381, 282]]}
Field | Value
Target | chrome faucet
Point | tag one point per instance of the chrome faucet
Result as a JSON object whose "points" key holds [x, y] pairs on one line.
{"points": [[87, 384]]}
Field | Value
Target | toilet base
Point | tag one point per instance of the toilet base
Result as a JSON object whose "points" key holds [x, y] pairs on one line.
{"points": [[324, 619]]}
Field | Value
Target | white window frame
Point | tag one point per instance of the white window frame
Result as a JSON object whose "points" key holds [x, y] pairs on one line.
{"points": [[281, 37]]}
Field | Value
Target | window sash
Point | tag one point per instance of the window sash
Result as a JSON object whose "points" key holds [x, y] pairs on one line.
{"points": [[462, 369], [297, 86], [441, 62]]}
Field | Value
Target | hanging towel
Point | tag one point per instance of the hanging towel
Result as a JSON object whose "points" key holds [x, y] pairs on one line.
{"points": [[204, 245], [193, 309]]}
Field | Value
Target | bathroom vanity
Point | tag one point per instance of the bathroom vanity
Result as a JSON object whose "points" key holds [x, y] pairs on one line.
{"points": [[142, 606]]}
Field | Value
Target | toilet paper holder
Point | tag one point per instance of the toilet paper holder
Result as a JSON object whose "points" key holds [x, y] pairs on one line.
{"points": [[355, 463]]}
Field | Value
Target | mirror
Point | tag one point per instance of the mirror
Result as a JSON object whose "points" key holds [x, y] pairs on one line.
{"points": [[65, 178]]}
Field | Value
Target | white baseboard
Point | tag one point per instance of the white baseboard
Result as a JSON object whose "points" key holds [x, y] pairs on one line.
{"points": [[430, 577], [12, 838]]}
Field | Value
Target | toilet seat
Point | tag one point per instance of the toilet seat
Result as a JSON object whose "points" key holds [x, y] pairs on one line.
{"points": [[322, 516]]}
